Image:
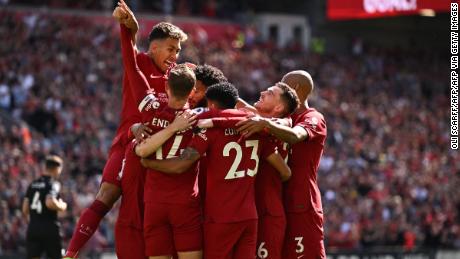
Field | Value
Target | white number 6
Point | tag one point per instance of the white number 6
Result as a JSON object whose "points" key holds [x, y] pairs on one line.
{"points": [[261, 251]]}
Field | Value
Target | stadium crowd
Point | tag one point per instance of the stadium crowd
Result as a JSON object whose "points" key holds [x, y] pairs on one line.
{"points": [[388, 177]]}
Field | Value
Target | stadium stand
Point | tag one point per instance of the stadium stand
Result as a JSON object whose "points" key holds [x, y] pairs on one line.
{"points": [[387, 177]]}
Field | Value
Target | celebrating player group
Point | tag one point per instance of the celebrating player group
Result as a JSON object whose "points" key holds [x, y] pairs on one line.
{"points": [[200, 172]]}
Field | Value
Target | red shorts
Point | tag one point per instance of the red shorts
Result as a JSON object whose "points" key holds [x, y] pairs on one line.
{"points": [[270, 237], [169, 226], [304, 236], [113, 166], [236, 240], [129, 242]]}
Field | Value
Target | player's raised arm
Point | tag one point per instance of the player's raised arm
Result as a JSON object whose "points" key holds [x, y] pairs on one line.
{"points": [[124, 15], [174, 165], [137, 81], [280, 165], [149, 145]]}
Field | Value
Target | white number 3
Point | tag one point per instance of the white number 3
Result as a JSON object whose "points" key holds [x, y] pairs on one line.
{"points": [[262, 252], [299, 249]]}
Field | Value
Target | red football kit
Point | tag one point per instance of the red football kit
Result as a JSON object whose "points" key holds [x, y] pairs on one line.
{"points": [[172, 208], [230, 212], [129, 240], [131, 104], [302, 198], [269, 202]]}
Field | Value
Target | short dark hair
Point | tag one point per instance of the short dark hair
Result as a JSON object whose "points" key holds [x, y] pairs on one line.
{"points": [[53, 161], [224, 94], [289, 98], [165, 30], [181, 80], [209, 75]]}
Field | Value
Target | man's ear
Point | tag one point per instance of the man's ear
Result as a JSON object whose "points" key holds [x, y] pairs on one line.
{"points": [[279, 109], [153, 46]]}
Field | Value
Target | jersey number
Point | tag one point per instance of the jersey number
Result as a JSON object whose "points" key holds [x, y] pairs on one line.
{"points": [[233, 173], [36, 204], [300, 248], [173, 151], [262, 252]]}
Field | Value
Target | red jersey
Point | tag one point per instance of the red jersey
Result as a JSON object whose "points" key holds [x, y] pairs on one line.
{"points": [[132, 176], [269, 188], [231, 169], [132, 91], [168, 188], [301, 192]]}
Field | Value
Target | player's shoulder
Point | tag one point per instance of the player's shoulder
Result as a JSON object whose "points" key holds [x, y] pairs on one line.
{"points": [[311, 114]]}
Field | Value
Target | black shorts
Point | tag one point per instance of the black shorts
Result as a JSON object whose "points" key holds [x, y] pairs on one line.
{"points": [[50, 245]]}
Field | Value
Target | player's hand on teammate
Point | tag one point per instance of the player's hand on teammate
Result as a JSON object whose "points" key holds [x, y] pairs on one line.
{"points": [[140, 131], [184, 120], [145, 162], [252, 125], [124, 15]]}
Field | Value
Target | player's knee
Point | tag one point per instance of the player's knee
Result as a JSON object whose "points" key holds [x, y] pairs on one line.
{"points": [[108, 194]]}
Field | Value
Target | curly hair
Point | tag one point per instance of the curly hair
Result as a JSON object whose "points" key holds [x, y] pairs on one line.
{"points": [[209, 75]]}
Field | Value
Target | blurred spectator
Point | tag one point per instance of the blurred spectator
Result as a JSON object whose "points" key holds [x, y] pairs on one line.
{"points": [[387, 176]]}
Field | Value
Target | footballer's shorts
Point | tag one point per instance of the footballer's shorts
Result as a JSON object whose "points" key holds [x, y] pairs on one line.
{"points": [[304, 236], [113, 166], [270, 237], [236, 240], [172, 227], [37, 244], [129, 242]]}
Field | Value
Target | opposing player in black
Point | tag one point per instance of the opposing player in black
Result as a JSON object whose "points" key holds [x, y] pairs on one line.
{"points": [[42, 204]]}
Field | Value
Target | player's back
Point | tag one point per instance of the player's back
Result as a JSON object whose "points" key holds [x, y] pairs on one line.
{"points": [[269, 188], [232, 163], [42, 218], [302, 192], [167, 188]]}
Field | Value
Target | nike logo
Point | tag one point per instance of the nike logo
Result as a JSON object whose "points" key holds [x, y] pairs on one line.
{"points": [[154, 76]]}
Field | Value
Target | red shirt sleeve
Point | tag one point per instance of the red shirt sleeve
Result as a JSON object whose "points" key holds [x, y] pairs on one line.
{"points": [[315, 125], [200, 141], [138, 84], [269, 146]]}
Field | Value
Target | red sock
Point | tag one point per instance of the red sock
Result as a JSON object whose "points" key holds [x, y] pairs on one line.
{"points": [[87, 224]]}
